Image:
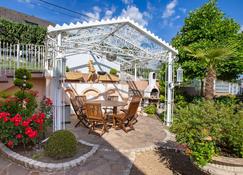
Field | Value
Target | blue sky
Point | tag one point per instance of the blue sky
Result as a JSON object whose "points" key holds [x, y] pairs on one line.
{"points": [[162, 17]]}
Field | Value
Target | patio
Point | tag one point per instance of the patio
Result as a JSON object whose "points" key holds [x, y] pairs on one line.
{"points": [[116, 153]]}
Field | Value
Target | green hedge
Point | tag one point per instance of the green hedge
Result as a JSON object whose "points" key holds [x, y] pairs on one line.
{"points": [[207, 127], [13, 32], [150, 109]]}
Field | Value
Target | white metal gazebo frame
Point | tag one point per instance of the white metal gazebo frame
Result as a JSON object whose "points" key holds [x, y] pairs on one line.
{"points": [[132, 45]]}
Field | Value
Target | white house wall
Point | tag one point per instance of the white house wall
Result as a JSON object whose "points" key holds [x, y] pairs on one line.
{"points": [[121, 90], [78, 62]]}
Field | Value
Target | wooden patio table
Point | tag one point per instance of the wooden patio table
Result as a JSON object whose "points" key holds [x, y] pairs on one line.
{"points": [[109, 103]]}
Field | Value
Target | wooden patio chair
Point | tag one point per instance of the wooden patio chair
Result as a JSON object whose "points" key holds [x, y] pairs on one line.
{"points": [[95, 117], [78, 107], [126, 118], [134, 99]]}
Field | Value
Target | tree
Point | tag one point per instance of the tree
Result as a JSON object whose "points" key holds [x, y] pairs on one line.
{"points": [[211, 58], [206, 28]]}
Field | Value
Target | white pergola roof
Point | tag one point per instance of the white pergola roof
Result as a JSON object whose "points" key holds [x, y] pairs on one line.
{"points": [[122, 37]]}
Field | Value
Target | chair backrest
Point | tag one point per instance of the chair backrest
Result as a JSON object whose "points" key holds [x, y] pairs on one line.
{"points": [[93, 111], [136, 98], [133, 106], [82, 99], [112, 98], [75, 101]]}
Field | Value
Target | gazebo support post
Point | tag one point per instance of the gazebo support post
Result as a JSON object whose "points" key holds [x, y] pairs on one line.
{"points": [[135, 72], [170, 87], [58, 74]]}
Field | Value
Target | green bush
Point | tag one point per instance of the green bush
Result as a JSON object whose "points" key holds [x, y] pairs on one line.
{"points": [[228, 100], [113, 71], [150, 109], [61, 144], [206, 127], [20, 81], [21, 72], [180, 100], [162, 98]]}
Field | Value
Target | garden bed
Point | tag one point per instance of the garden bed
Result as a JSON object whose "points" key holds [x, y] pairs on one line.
{"points": [[50, 167], [39, 155]]}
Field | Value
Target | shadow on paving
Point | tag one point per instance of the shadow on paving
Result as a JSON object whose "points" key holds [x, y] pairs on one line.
{"points": [[176, 161]]}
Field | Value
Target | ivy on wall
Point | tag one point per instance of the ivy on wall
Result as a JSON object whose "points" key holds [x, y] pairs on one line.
{"points": [[13, 32]]}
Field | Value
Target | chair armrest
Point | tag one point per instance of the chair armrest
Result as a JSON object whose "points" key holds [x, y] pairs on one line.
{"points": [[124, 110]]}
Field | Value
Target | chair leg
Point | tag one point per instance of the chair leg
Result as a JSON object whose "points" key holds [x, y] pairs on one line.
{"points": [[131, 125], [91, 127], [78, 123], [124, 127], [121, 125]]}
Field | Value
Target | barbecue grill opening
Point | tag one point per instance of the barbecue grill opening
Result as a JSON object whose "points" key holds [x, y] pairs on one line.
{"points": [[154, 93]]}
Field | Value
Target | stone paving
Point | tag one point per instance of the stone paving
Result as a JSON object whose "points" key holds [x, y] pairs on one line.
{"points": [[115, 155]]}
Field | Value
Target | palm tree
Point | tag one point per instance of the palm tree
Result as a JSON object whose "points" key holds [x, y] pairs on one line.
{"points": [[211, 58]]}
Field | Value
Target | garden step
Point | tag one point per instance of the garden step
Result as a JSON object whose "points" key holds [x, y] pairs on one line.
{"points": [[3, 79]]}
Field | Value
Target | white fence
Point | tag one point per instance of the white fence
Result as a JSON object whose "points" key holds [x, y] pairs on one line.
{"points": [[29, 56], [227, 87]]}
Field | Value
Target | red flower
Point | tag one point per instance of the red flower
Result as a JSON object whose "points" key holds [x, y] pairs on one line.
{"points": [[34, 93], [42, 115], [19, 136], [27, 100], [16, 120], [33, 134], [39, 121], [5, 119], [26, 123], [34, 117], [48, 101], [28, 130], [4, 116], [10, 144]]}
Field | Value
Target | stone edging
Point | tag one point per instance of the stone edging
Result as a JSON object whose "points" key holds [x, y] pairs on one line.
{"points": [[50, 167], [221, 167]]}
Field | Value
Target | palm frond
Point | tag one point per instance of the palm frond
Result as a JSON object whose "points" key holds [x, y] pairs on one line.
{"points": [[211, 55]]}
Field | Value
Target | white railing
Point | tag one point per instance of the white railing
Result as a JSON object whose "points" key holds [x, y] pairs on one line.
{"points": [[29, 56]]}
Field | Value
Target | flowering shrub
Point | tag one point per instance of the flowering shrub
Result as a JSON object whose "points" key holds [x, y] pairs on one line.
{"points": [[207, 127], [20, 122], [16, 130]]}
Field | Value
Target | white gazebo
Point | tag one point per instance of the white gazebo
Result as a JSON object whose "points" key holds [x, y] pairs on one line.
{"points": [[121, 40]]}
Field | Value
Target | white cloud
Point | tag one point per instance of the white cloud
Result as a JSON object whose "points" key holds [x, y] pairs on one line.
{"points": [[109, 12], [170, 9], [27, 1], [95, 13], [176, 17], [127, 1], [133, 13], [241, 28]]}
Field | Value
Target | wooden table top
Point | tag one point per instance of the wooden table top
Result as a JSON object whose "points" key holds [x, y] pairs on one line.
{"points": [[108, 102]]}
